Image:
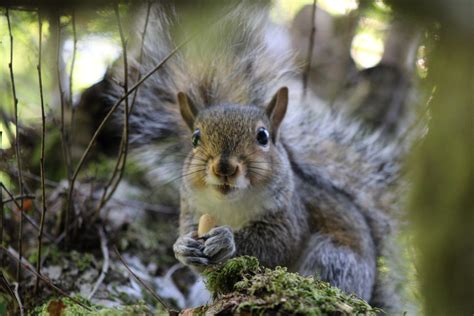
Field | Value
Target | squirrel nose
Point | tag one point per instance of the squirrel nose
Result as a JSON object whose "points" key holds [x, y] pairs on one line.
{"points": [[224, 168]]}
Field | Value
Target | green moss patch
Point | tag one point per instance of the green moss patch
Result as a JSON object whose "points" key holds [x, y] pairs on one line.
{"points": [[66, 307], [242, 286]]}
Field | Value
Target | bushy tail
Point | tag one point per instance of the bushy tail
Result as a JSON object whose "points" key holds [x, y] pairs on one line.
{"points": [[237, 56]]}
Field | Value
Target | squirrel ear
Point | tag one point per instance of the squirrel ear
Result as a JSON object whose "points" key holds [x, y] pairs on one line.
{"points": [[276, 110], [187, 109]]}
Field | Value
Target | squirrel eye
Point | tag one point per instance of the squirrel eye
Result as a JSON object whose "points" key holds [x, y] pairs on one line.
{"points": [[262, 136], [196, 137]]}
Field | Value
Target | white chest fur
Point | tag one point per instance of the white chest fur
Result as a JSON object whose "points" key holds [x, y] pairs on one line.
{"points": [[235, 212]]}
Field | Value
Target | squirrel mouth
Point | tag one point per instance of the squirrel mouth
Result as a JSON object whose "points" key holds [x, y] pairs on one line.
{"points": [[225, 188]]}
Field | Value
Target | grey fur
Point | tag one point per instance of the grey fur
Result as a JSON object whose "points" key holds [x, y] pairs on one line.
{"points": [[328, 200]]}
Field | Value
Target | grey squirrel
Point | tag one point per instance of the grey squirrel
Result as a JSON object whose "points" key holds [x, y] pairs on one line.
{"points": [[288, 180]]}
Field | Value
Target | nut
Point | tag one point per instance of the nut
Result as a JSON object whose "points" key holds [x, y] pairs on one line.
{"points": [[206, 223]]}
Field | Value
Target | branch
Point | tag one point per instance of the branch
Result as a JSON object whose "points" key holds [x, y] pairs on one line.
{"points": [[12, 293], [123, 151], [20, 197], [17, 144], [71, 71], [19, 207], [18, 299], [29, 267], [140, 58], [43, 138], [105, 265], [155, 296], [63, 131]]}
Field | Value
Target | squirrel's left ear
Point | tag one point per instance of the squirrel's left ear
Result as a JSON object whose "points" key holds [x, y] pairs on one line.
{"points": [[276, 110], [187, 109]]}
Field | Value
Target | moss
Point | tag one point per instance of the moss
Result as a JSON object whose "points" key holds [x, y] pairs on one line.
{"points": [[242, 286], [83, 261], [66, 307], [222, 280], [56, 256], [52, 252]]}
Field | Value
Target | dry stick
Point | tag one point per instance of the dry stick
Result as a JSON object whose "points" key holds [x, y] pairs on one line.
{"points": [[48, 182], [122, 155], [20, 197], [28, 219], [17, 147], [5, 284], [123, 150], [47, 281], [8, 289], [140, 58], [134, 98], [63, 132], [105, 265], [4, 281], [27, 191], [309, 57], [71, 72], [43, 138], [18, 299], [64, 137], [155, 296]]}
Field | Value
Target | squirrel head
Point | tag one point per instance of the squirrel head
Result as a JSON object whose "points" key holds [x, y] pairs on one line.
{"points": [[235, 147]]}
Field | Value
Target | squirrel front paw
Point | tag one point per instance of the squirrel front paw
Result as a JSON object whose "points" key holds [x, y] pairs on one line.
{"points": [[189, 250], [219, 244], [214, 247]]}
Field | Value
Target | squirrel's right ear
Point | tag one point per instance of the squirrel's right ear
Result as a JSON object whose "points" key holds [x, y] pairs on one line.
{"points": [[276, 110], [187, 109]]}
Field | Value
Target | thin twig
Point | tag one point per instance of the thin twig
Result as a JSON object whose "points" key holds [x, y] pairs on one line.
{"points": [[71, 71], [63, 131], [155, 296], [48, 182], [140, 58], [64, 137], [28, 192], [8, 288], [28, 219], [43, 139], [122, 155], [105, 264], [20, 197], [17, 146], [28, 266], [134, 98], [18, 299], [309, 56]]}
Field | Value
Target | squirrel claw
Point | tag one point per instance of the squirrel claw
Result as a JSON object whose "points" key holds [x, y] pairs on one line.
{"points": [[219, 244]]}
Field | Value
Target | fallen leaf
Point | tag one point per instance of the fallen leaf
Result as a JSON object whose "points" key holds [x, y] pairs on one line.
{"points": [[55, 308]]}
